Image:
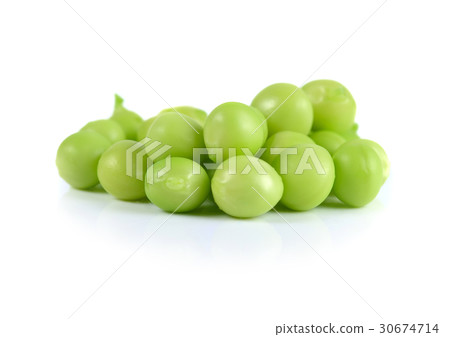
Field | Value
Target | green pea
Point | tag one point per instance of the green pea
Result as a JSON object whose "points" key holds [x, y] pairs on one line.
{"points": [[383, 156], [77, 158], [328, 139], [333, 105], [307, 174], [197, 114], [234, 126], [108, 128], [283, 139], [359, 173], [182, 133], [351, 133], [113, 175], [286, 107], [183, 188], [143, 128], [128, 120], [246, 187]]}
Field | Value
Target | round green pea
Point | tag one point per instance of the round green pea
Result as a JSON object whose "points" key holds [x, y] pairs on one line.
{"points": [[359, 173], [196, 114], [108, 128], [246, 187], [328, 139], [233, 127], [113, 175], [307, 174], [128, 120], [143, 128], [182, 133], [333, 105], [77, 158], [286, 107], [283, 139], [183, 188]]}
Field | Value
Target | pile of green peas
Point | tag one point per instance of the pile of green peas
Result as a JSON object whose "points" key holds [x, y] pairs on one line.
{"points": [[291, 146]]}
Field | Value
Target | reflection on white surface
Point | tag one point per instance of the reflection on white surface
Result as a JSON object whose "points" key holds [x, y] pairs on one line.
{"points": [[209, 234], [246, 240]]}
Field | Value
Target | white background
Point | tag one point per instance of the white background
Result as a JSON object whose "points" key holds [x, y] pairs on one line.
{"points": [[206, 274]]}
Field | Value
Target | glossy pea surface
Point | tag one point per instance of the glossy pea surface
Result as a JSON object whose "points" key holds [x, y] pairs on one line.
{"points": [[183, 134], [286, 107], [108, 128], [283, 139], [359, 173], [78, 156], [196, 114], [128, 120], [308, 176], [112, 172], [328, 139], [245, 193], [234, 126], [183, 188], [386, 164], [333, 105]]}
